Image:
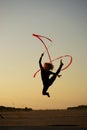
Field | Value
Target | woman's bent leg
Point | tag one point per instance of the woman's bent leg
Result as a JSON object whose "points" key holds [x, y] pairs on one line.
{"points": [[52, 79]]}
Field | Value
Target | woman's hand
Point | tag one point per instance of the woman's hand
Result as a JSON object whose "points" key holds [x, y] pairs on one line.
{"points": [[42, 54]]}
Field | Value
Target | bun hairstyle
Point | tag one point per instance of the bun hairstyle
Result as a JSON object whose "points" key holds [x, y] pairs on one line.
{"points": [[48, 66]]}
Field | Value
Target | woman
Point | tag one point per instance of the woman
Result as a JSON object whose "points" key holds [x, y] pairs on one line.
{"points": [[45, 75]]}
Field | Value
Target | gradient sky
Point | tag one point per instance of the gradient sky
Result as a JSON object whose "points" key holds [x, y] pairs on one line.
{"points": [[65, 22]]}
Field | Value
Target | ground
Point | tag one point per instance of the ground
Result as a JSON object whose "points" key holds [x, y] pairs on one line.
{"points": [[60, 118]]}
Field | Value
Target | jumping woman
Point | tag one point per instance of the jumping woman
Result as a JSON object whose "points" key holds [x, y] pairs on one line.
{"points": [[45, 74]]}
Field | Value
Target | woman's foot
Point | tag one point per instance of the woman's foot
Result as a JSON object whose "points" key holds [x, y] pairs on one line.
{"points": [[46, 93], [61, 62]]}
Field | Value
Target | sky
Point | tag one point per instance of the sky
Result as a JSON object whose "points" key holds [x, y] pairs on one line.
{"points": [[65, 23]]}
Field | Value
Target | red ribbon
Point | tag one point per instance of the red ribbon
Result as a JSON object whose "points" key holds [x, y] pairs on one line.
{"points": [[69, 56]]}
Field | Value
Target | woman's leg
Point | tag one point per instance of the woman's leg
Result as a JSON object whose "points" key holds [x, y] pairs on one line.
{"points": [[52, 79]]}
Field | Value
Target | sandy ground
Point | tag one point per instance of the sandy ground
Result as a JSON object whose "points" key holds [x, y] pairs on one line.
{"points": [[44, 118]]}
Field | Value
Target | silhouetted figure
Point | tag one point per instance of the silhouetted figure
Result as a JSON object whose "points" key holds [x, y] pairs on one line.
{"points": [[45, 75]]}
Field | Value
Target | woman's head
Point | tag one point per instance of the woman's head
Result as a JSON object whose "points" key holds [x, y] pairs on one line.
{"points": [[48, 66]]}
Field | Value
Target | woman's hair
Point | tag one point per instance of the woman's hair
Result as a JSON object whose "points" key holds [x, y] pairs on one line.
{"points": [[48, 66]]}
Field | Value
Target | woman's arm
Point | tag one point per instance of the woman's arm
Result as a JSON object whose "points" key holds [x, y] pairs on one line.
{"points": [[40, 64]]}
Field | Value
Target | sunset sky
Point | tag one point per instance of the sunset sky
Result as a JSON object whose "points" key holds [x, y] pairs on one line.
{"points": [[65, 22]]}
